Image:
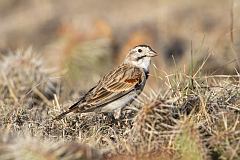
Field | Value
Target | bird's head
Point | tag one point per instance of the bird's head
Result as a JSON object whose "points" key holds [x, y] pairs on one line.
{"points": [[140, 56]]}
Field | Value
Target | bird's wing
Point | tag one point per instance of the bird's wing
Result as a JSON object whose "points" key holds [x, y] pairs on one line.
{"points": [[114, 85]]}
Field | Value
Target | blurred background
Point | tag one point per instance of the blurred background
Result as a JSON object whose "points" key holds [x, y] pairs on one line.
{"points": [[83, 40]]}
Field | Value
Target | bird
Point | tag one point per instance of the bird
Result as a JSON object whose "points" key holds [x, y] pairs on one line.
{"points": [[119, 87]]}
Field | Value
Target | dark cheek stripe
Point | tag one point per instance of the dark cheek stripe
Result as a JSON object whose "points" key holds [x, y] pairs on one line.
{"points": [[140, 57]]}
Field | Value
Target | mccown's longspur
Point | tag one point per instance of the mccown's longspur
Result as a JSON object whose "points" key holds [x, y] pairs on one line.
{"points": [[119, 87]]}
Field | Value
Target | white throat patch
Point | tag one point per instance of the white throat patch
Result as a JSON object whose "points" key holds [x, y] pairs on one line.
{"points": [[143, 63]]}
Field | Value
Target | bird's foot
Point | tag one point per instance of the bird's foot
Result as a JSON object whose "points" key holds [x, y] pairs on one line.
{"points": [[110, 117]]}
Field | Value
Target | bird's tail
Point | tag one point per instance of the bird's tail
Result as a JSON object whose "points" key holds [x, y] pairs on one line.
{"points": [[71, 109]]}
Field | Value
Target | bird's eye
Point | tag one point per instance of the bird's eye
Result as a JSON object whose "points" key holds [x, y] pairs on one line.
{"points": [[139, 50]]}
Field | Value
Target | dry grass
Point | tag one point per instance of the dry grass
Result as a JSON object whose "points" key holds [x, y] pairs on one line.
{"points": [[196, 117]]}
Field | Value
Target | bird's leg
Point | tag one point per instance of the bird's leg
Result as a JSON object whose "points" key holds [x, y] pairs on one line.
{"points": [[117, 113], [110, 117]]}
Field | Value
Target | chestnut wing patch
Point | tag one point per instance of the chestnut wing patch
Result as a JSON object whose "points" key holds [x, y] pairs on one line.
{"points": [[135, 79]]}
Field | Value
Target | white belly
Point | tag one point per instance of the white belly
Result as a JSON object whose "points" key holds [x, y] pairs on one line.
{"points": [[119, 103]]}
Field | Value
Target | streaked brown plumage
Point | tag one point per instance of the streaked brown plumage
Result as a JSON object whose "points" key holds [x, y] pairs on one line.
{"points": [[119, 87]]}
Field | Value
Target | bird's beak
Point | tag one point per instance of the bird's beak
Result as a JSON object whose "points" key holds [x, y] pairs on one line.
{"points": [[152, 53]]}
